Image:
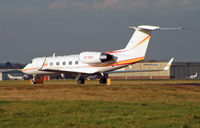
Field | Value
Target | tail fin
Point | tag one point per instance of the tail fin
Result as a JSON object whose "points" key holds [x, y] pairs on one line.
{"points": [[9, 76], [137, 46], [142, 34], [138, 43]]}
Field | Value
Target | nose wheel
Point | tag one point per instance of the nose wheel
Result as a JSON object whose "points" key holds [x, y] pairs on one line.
{"points": [[37, 80]]}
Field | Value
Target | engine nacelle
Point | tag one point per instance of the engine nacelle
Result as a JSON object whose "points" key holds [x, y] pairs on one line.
{"points": [[95, 57]]}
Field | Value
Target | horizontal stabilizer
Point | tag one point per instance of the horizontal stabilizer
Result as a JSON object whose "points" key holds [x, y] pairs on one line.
{"points": [[151, 28], [171, 28], [145, 27]]}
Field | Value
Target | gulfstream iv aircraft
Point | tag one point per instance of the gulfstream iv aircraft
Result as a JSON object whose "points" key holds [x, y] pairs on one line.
{"points": [[90, 63]]}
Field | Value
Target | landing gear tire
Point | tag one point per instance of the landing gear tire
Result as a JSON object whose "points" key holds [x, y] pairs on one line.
{"points": [[81, 81], [103, 80], [34, 82], [37, 80]]}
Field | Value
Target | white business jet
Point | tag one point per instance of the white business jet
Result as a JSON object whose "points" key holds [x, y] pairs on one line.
{"points": [[97, 63], [194, 76], [15, 77]]}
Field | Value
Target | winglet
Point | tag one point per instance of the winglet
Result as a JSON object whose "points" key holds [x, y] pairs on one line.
{"points": [[169, 64]]}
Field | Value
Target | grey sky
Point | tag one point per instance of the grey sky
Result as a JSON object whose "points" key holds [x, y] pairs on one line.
{"points": [[32, 28]]}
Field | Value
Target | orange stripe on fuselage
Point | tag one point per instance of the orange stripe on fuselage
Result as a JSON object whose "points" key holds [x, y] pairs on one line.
{"points": [[124, 62], [130, 61], [29, 69]]}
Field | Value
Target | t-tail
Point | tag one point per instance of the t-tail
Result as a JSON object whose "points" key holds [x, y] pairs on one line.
{"points": [[137, 46]]}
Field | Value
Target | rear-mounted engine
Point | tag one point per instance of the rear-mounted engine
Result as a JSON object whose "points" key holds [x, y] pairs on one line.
{"points": [[95, 57]]}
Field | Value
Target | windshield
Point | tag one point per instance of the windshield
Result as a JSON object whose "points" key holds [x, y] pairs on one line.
{"points": [[30, 62]]}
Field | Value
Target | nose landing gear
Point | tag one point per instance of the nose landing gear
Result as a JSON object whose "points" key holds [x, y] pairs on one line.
{"points": [[36, 80]]}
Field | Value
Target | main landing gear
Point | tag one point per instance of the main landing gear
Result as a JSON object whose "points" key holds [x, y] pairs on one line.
{"points": [[81, 80], [103, 80]]}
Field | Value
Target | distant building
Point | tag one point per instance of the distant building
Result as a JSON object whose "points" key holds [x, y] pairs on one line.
{"points": [[178, 70], [182, 70], [144, 75]]}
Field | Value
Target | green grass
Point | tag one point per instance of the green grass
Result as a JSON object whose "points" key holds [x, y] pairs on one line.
{"points": [[90, 114], [125, 104]]}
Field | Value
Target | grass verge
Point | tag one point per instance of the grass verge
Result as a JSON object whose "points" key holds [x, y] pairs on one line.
{"points": [[131, 104], [90, 114]]}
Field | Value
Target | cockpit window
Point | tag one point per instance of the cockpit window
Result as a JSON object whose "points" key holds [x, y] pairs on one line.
{"points": [[30, 62]]}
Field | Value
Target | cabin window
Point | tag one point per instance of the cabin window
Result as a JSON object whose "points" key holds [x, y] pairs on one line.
{"points": [[57, 63], [64, 63], [70, 62], [76, 62], [51, 64]]}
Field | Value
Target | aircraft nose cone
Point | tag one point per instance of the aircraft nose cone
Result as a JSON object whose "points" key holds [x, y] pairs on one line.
{"points": [[24, 70]]}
